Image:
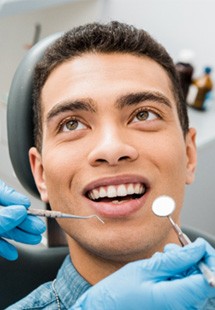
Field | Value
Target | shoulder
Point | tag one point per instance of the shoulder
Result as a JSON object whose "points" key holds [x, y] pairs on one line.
{"points": [[41, 298]]}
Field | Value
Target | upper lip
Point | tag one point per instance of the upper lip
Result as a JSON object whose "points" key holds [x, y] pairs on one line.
{"points": [[116, 180]]}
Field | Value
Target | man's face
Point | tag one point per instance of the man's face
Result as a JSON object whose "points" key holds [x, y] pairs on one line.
{"points": [[112, 143]]}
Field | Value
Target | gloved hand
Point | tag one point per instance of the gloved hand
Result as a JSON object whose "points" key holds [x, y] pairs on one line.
{"points": [[168, 280], [15, 223]]}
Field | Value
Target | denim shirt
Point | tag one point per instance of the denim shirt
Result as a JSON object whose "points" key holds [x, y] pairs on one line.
{"points": [[69, 286]]}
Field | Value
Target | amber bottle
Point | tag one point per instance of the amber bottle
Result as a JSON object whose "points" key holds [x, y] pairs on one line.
{"points": [[200, 90]]}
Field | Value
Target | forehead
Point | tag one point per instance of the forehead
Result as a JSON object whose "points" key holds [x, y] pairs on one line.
{"points": [[94, 75]]}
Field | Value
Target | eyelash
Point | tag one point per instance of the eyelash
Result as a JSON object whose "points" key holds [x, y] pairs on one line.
{"points": [[67, 120], [145, 109]]}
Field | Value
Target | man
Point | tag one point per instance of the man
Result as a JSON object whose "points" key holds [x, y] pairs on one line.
{"points": [[111, 135]]}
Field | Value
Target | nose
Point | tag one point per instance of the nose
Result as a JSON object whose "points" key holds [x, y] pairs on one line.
{"points": [[112, 147]]}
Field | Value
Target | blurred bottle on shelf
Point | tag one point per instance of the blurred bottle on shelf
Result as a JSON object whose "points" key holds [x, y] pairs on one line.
{"points": [[185, 69], [200, 90]]}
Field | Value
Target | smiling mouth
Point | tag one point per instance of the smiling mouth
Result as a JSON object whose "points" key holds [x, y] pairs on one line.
{"points": [[117, 194]]}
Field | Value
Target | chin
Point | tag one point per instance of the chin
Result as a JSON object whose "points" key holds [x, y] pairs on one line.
{"points": [[119, 249]]}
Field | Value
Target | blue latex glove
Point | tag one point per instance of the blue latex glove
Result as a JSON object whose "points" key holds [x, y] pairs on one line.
{"points": [[15, 223], [168, 280]]}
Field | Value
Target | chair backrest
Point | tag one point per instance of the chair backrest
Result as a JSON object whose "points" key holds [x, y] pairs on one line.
{"points": [[20, 115], [35, 265], [194, 233], [20, 126]]}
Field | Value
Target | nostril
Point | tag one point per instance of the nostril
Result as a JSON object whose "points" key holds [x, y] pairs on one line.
{"points": [[123, 158], [112, 154], [101, 160], [113, 161]]}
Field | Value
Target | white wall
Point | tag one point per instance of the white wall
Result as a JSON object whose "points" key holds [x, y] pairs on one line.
{"points": [[17, 30], [176, 24]]}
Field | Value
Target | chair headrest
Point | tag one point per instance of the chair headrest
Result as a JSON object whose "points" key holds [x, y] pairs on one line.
{"points": [[20, 114]]}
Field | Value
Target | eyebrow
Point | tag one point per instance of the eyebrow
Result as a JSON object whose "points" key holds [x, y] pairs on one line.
{"points": [[65, 106], [123, 101], [135, 98]]}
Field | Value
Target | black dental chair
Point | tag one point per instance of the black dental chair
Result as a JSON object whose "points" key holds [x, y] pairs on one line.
{"points": [[36, 264]]}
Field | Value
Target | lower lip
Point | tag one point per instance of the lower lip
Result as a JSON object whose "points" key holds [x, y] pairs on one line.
{"points": [[124, 209]]}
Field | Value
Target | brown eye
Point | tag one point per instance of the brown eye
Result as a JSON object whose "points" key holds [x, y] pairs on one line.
{"points": [[72, 125], [145, 115], [142, 116]]}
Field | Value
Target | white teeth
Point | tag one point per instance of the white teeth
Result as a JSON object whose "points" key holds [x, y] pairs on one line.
{"points": [[121, 191], [116, 191], [91, 196], [137, 188], [95, 193], [117, 202], [130, 189], [111, 191], [102, 192]]}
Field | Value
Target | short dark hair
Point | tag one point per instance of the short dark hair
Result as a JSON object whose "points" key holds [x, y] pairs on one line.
{"points": [[113, 37]]}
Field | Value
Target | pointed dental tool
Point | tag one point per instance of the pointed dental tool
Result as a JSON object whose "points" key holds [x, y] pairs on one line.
{"points": [[58, 214], [164, 206]]}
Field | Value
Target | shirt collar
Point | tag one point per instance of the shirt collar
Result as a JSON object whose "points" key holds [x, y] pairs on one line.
{"points": [[70, 285]]}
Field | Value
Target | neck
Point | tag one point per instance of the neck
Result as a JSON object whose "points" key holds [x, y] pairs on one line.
{"points": [[90, 266], [94, 268]]}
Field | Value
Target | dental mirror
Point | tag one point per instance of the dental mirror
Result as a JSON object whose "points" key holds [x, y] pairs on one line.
{"points": [[163, 206]]}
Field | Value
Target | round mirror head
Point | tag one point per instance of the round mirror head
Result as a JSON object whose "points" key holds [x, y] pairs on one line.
{"points": [[163, 206]]}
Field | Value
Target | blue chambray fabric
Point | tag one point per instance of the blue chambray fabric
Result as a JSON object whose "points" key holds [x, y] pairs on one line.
{"points": [[69, 285], [210, 305]]}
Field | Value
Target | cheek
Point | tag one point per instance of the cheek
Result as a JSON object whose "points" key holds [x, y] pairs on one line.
{"points": [[59, 174], [169, 156], [61, 166]]}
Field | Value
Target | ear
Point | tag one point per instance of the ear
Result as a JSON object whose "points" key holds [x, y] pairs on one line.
{"points": [[38, 173], [191, 155]]}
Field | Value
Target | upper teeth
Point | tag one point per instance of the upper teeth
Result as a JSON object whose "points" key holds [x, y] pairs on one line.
{"points": [[116, 190]]}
